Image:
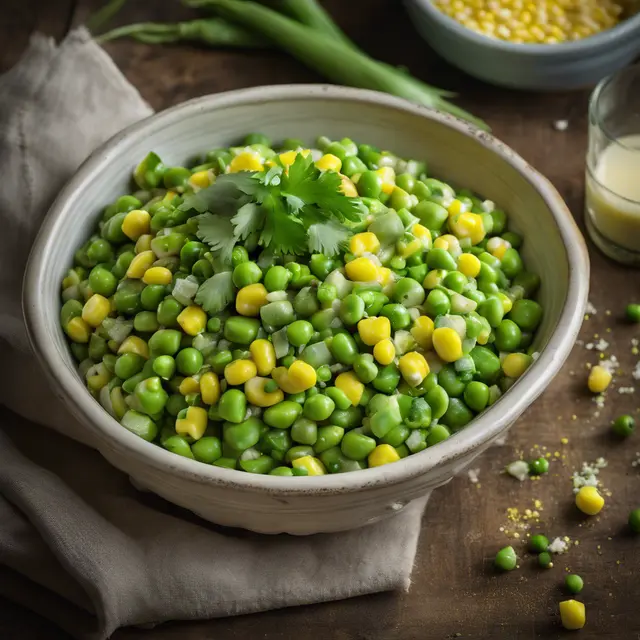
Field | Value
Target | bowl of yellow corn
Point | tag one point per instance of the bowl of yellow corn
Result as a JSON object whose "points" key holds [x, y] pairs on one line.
{"points": [[543, 45], [245, 494]]}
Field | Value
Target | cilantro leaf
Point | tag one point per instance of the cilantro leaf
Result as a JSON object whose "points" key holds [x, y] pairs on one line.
{"points": [[327, 237], [215, 293], [225, 195], [282, 232], [217, 231], [248, 219]]}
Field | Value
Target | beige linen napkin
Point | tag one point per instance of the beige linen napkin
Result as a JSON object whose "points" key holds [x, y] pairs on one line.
{"points": [[78, 544]]}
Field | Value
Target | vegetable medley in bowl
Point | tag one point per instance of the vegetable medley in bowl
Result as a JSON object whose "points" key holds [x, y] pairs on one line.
{"points": [[296, 311]]}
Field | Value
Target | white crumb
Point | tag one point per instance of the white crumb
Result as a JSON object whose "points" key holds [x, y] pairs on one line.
{"points": [[561, 125]]}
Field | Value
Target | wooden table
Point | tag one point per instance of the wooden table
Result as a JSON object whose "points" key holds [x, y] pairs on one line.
{"points": [[455, 592]]}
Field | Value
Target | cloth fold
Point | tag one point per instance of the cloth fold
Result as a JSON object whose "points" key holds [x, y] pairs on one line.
{"points": [[78, 543]]}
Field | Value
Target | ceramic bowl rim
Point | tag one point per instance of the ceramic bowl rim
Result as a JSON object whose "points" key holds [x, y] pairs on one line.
{"points": [[41, 319], [604, 39]]}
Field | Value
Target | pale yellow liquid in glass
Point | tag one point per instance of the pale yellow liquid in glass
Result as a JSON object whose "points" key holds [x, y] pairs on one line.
{"points": [[615, 209]]}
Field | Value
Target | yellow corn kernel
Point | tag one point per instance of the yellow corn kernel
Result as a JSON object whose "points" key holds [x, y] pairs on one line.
{"points": [[140, 264], [313, 466], [385, 276], [383, 454], [289, 157], [157, 275], [78, 330], [329, 162], [515, 364], [209, 387], [388, 178], [469, 265], [136, 223], [347, 187], [447, 344], [169, 196], [193, 320], [349, 384], [409, 248], [507, 302], [434, 278], [599, 379], [413, 367], [239, 371], [201, 179], [264, 355], [422, 331], [361, 270], [468, 225], [193, 424], [497, 247], [143, 243], [246, 161], [372, 330], [257, 396], [365, 242], [384, 351], [189, 385], [572, 614], [441, 243], [281, 376], [96, 309], [455, 208], [133, 344], [100, 379], [423, 234], [250, 298], [589, 501], [117, 402], [302, 375]]}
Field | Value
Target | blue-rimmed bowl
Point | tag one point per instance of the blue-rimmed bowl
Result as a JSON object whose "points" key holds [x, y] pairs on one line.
{"points": [[539, 67]]}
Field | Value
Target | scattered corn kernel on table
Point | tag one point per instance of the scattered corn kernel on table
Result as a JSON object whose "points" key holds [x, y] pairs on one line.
{"points": [[456, 591]]}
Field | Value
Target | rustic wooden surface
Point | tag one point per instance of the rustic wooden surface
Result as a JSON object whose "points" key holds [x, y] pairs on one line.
{"points": [[455, 592]]}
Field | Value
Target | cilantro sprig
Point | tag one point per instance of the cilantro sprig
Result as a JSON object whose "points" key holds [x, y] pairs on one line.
{"points": [[302, 210]]}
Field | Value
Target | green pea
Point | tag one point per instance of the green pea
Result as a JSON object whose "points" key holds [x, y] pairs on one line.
{"points": [[263, 464], [526, 314], [476, 395], [574, 583], [449, 380], [165, 342], [324, 373], [102, 281], [357, 446], [299, 451], [146, 322], [80, 351], [508, 336], [634, 520], [276, 278], [493, 310], [241, 330], [437, 433], [352, 166], [529, 282], [299, 332], [128, 364], [189, 361], [112, 229], [256, 138], [225, 463], [385, 419], [127, 297], [438, 400], [319, 407], [275, 442], [538, 543], [511, 263], [282, 415], [632, 312], [304, 430], [339, 397], [398, 315], [191, 252], [151, 296], [374, 302], [365, 368], [168, 245], [246, 273], [388, 228], [624, 426], [218, 361], [100, 251], [151, 396], [351, 309], [419, 415], [164, 366], [281, 471], [97, 347], [455, 281], [327, 438], [344, 348], [207, 450], [545, 560], [487, 364], [506, 559], [400, 199], [499, 221], [232, 406], [243, 435], [387, 379], [440, 259], [538, 467], [457, 415], [438, 303], [300, 274], [408, 292], [396, 436], [276, 314], [369, 185], [305, 303], [347, 418], [168, 312], [326, 294], [431, 214]]}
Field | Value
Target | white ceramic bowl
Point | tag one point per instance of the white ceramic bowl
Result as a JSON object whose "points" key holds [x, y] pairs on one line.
{"points": [[553, 248]]}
